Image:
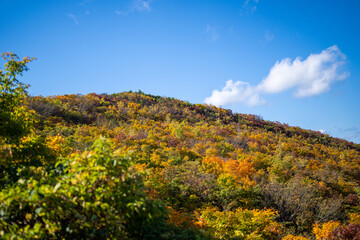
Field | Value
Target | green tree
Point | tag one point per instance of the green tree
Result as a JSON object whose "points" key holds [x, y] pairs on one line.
{"points": [[20, 146], [15, 118]]}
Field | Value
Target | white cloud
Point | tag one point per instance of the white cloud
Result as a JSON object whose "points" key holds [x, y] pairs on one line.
{"points": [[322, 131], [310, 77], [238, 92], [73, 17]]}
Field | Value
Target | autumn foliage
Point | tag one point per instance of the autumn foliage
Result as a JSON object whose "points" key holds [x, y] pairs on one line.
{"points": [[166, 169]]}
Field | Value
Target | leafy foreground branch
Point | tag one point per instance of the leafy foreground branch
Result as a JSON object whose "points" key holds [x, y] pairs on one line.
{"points": [[89, 196]]}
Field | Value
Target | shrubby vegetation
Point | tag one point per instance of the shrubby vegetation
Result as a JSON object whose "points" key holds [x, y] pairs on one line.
{"points": [[136, 166]]}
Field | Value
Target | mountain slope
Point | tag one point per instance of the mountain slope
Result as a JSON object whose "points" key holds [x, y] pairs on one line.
{"points": [[207, 163]]}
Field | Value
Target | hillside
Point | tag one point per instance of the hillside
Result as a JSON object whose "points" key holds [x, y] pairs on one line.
{"points": [[137, 166], [214, 169]]}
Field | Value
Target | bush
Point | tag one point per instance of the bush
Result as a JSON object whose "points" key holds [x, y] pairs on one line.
{"points": [[350, 232], [241, 223], [89, 196]]}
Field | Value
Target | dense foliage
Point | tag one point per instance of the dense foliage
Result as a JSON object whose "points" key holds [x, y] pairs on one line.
{"points": [[169, 169]]}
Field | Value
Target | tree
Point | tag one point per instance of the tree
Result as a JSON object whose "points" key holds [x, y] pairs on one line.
{"points": [[241, 223], [15, 119], [20, 145]]}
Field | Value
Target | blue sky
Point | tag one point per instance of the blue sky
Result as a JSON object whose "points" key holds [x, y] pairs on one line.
{"points": [[296, 62]]}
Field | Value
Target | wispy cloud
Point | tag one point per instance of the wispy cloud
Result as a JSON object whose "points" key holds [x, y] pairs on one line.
{"points": [[248, 6], [136, 5], [350, 134], [268, 36], [84, 2], [309, 77], [121, 13], [140, 5], [73, 17], [213, 34]]}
